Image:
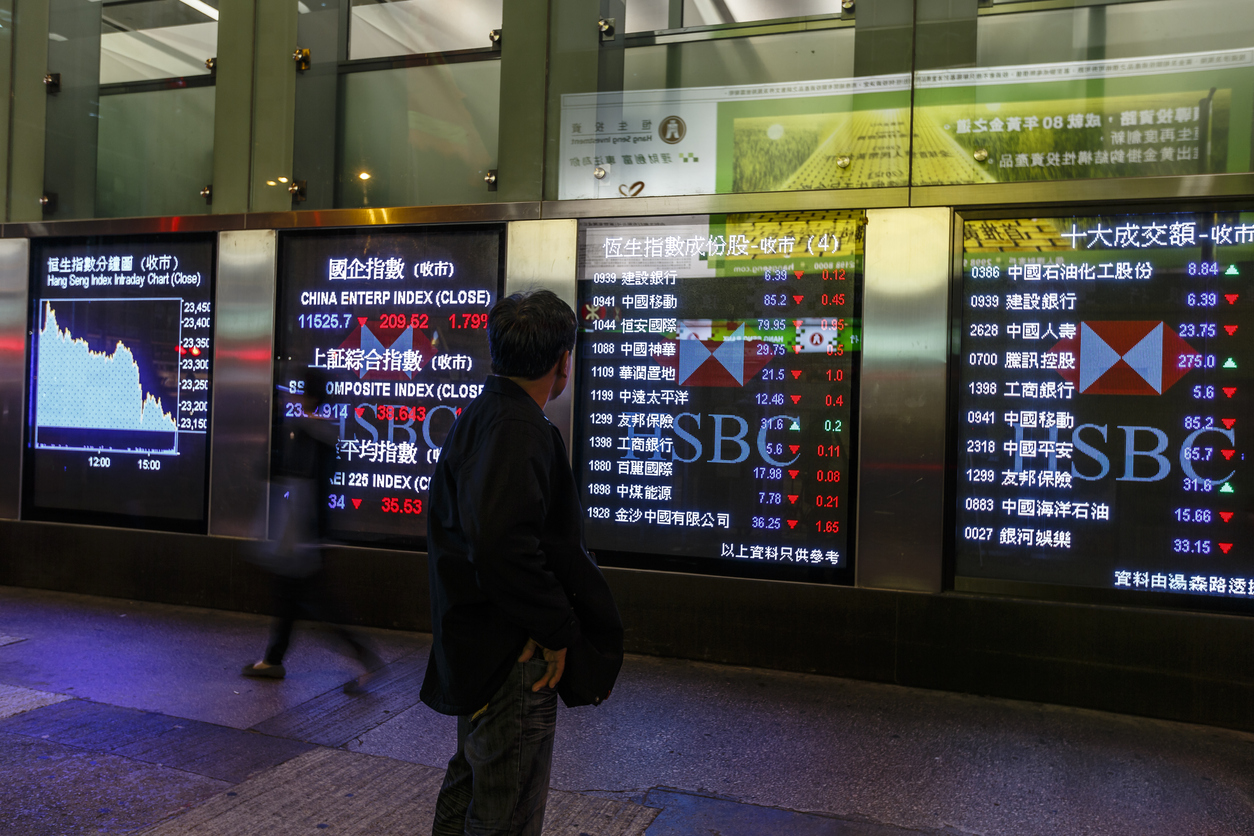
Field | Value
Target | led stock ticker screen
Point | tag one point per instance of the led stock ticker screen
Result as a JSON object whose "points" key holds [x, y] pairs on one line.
{"points": [[121, 380], [397, 323], [717, 378], [1104, 394]]}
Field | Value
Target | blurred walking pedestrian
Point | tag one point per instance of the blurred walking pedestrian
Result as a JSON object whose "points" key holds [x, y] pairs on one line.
{"points": [[304, 461]]}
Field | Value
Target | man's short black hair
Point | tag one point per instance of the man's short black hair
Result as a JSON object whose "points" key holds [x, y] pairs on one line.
{"points": [[527, 333]]}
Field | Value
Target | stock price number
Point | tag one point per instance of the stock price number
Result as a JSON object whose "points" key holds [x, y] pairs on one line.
{"points": [[767, 523], [394, 505], [1196, 515], [1196, 329], [827, 526], [324, 321], [468, 320], [400, 320], [1182, 546], [829, 450], [401, 413]]}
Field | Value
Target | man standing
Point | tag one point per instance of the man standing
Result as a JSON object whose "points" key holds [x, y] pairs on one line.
{"points": [[504, 529]]}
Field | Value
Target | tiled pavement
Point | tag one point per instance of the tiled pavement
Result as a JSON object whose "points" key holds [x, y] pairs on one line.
{"points": [[121, 717]]}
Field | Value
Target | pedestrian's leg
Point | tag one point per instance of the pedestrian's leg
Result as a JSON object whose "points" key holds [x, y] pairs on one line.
{"points": [[510, 751], [288, 593], [454, 799]]}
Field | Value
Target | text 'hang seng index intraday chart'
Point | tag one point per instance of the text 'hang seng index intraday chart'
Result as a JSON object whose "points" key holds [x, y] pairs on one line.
{"points": [[121, 380], [1105, 383], [717, 367], [397, 324]]}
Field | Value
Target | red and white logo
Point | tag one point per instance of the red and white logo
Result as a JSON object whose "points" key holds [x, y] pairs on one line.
{"points": [[1125, 358]]}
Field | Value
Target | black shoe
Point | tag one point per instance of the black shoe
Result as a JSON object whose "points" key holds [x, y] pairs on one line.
{"points": [[271, 672]]}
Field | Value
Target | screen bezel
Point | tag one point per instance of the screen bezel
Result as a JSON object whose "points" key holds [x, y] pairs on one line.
{"points": [[38, 513], [724, 567], [410, 543], [1058, 593]]}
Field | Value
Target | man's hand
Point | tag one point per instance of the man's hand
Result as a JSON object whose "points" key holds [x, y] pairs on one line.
{"points": [[556, 660]]}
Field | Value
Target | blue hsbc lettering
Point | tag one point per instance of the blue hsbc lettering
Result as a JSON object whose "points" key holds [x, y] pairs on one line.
{"points": [[729, 444], [1144, 449]]}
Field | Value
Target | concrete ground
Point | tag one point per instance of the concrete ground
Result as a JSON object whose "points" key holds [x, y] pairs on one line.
{"points": [[119, 716]]}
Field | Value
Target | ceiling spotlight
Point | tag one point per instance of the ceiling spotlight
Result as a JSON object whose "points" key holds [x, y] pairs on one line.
{"points": [[365, 175], [282, 179], [271, 183]]}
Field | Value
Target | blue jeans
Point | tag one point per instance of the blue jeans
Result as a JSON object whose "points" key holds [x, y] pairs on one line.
{"points": [[498, 781]]}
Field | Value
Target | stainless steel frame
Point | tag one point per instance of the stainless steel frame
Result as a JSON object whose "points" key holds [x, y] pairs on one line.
{"points": [[905, 347], [1067, 192], [243, 370], [14, 293], [543, 254]]}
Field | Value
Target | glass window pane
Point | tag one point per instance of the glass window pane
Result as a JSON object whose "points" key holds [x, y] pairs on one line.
{"points": [[1061, 94], [713, 12], [648, 15], [421, 135], [156, 39], [779, 112], [154, 152], [129, 131], [403, 27]]}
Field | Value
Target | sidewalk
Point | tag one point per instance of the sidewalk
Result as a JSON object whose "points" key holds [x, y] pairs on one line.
{"points": [[124, 717]]}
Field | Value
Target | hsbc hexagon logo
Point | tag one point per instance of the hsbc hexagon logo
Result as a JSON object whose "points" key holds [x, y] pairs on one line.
{"points": [[1125, 358]]}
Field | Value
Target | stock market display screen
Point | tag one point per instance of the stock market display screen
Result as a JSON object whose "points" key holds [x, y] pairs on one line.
{"points": [[396, 322], [716, 391], [121, 380], [1104, 389]]}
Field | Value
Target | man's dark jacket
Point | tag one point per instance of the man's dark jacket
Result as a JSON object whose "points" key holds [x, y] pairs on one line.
{"points": [[505, 546]]}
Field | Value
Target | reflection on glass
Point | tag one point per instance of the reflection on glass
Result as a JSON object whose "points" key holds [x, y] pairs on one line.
{"points": [[647, 15], [154, 152], [713, 12], [765, 113], [405, 27], [1124, 90], [156, 38], [418, 135]]}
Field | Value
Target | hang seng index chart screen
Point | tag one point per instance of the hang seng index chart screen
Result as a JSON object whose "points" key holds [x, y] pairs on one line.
{"points": [[121, 380], [717, 379], [397, 323], [1105, 390]]}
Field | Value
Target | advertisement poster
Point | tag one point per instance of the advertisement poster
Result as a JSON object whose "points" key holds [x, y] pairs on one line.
{"points": [[1155, 116]]}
